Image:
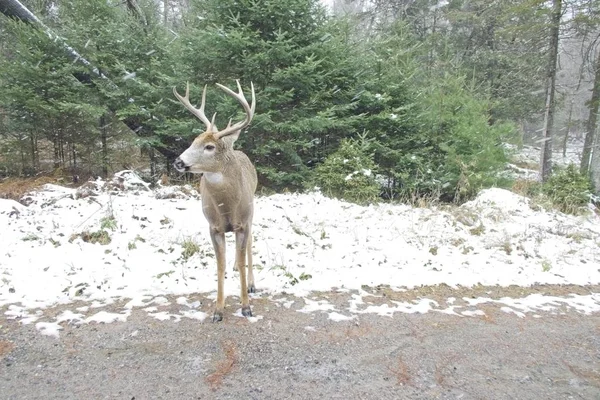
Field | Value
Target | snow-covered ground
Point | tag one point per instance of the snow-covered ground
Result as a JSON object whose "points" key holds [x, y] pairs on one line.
{"points": [[526, 160], [302, 243]]}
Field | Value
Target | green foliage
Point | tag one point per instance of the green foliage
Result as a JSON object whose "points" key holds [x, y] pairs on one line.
{"points": [[108, 223], [39, 98], [500, 47], [303, 68], [349, 173], [189, 248], [432, 109], [433, 136], [568, 189], [466, 151], [101, 236]]}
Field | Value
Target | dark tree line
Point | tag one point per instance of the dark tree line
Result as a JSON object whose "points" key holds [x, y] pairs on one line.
{"points": [[433, 89]]}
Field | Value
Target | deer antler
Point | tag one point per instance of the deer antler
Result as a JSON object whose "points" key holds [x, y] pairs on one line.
{"points": [[198, 112], [247, 108]]}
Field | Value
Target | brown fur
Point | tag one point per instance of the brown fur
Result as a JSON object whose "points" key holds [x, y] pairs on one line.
{"points": [[227, 188]]}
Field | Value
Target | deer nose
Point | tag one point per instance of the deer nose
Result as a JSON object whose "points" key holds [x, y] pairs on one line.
{"points": [[180, 165]]}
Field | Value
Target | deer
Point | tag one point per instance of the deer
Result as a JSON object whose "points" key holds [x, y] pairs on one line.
{"points": [[227, 188]]}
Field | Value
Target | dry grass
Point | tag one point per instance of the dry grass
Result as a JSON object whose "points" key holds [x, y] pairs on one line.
{"points": [[224, 366], [534, 166], [352, 332], [15, 188], [402, 373], [442, 292], [5, 347], [443, 369], [590, 376], [488, 314], [356, 331], [526, 187]]}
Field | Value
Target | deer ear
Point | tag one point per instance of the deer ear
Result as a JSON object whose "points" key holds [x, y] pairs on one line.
{"points": [[230, 139]]}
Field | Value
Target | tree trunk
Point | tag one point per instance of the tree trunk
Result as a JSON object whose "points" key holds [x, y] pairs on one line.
{"points": [[595, 168], [56, 162], [590, 125], [33, 154], [152, 156], [568, 130], [103, 137], [546, 157], [74, 156], [61, 149], [165, 12]]}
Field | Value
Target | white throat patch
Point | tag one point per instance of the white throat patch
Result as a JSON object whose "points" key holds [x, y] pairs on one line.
{"points": [[214, 178]]}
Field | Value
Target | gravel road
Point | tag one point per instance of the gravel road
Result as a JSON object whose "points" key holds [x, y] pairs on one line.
{"points": [[292, 355]]}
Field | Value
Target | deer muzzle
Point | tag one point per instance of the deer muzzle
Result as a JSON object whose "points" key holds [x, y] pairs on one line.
{"points": [[180, 165]]}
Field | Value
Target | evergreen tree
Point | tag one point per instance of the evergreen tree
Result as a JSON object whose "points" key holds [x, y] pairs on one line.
{"points": [[302, 67]]}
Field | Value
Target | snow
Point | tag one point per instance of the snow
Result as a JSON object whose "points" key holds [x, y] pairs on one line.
{"points": [[336, 316], [303, 243], [108, 317], [529, 156], [48, 328]]}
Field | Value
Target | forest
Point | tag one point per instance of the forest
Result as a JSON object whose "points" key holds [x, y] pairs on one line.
{"points": [[366, 99]]}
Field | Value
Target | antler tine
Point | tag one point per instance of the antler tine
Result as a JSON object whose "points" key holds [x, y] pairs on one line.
{"points": [[249, 109], [198, 112], [212, 122]]}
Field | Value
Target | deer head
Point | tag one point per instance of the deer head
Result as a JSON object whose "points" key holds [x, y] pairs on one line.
{"points": [[210, 150]]}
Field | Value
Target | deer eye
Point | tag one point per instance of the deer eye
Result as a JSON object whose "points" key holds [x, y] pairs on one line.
{"points": [[209, 147]]}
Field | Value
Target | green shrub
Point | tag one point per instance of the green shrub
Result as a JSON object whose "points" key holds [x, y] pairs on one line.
{"points": [[433, 138], [466, 151], [348, 174], [568, 190], [190, 247]]}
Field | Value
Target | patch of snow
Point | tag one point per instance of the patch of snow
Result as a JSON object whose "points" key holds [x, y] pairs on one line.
{"points": [[337, 317], [318, 305], [253, 319], [165, 316], [129, 180], [420, 307], [194, 314], [10, 207], [586, 304], [511, 311], [107, 318], [22, 314], [473, 313], [48, 328], [70, 317], [303, 243]]}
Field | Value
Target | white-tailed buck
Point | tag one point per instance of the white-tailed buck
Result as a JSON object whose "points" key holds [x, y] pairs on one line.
{"points": [[227, 188]]}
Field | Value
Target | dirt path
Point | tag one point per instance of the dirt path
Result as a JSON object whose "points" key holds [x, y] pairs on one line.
{"points": [[292, 355]]}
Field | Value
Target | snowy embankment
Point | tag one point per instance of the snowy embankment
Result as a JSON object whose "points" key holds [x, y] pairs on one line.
{"points": [[145, 245]]}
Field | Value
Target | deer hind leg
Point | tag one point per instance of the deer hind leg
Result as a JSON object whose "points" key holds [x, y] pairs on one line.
{"points": [[218, 240], [241, 244], [251, 287]]}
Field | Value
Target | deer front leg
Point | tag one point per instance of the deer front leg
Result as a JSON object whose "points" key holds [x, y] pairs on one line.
{"points": [[218, 240], [251, 287], [241, 243]]}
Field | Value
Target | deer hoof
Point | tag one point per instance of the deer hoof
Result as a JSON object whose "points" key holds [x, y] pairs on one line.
{"points": [[246, 311], [251, 288], [218, 316]]}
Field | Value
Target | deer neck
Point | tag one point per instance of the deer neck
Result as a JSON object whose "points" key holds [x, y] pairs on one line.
{"points": [[214, 178]]}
